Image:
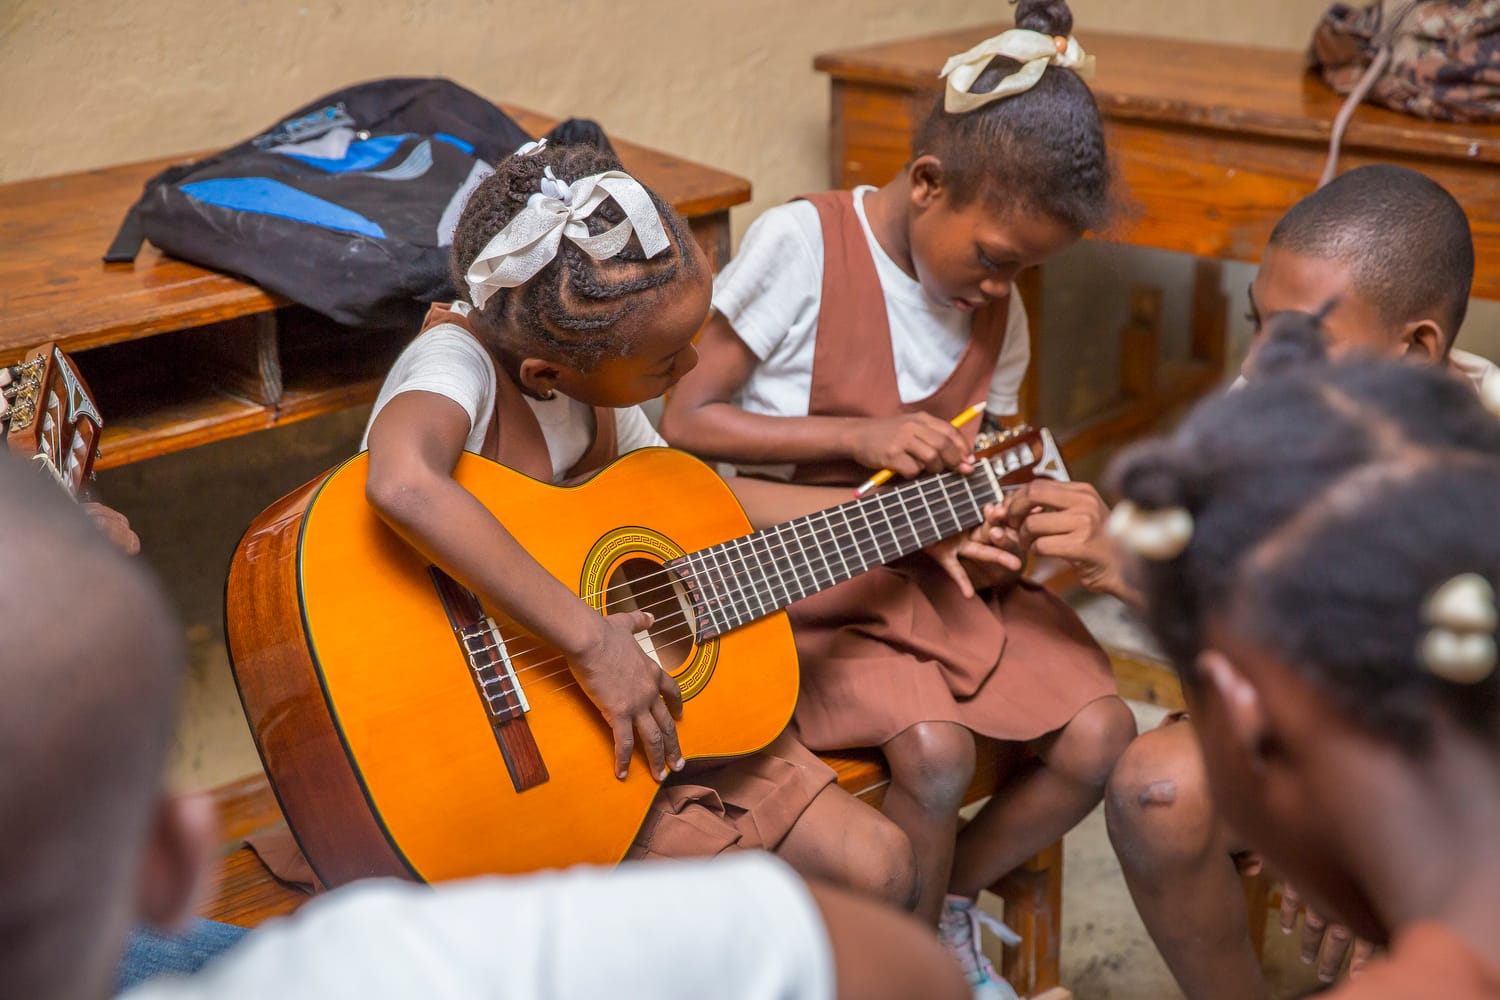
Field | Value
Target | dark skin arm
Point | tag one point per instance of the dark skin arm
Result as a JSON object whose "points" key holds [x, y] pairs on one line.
{"points": [[699, 417], [415, 443]]}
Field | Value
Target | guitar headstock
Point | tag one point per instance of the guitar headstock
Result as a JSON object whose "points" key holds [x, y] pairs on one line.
{"points": [[1021, 454], [50, 416]]}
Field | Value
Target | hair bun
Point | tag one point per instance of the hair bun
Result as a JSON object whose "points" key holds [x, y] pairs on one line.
{"points": [[1050, 17], [1293, 340], [1152, 476]]}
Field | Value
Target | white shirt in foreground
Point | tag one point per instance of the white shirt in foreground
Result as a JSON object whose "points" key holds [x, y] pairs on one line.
{"points": [[448, 360], [739, 928]]}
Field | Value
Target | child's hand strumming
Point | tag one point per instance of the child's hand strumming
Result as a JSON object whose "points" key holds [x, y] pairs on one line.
{"points": [[633, 693]]}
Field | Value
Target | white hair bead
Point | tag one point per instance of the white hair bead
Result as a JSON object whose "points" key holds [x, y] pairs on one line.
{"points": [[1157, 535], [1461, 616]]}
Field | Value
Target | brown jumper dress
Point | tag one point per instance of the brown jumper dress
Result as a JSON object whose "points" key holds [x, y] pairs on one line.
{"points": [[900, 644], [711, 806]]}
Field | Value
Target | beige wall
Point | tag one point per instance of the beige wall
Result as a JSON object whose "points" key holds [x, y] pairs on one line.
{"points": [[729, 82]]}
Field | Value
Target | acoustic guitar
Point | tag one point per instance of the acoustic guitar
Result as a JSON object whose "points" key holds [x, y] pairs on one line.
{"points": [[50, 416], [408, 730]]}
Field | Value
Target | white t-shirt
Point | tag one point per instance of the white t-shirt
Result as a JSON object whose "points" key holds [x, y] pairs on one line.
{"points": [[742, 927], [772, 289], [448, 360], [1480, 370]]}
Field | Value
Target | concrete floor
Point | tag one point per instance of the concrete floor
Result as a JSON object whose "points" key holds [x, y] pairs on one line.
{"points": [[191, 508]]}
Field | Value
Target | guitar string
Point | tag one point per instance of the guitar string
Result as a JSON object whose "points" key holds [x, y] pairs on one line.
{"points": [[837, 534], [766, 587], [737, 562], [688, 630], [750, 585]]}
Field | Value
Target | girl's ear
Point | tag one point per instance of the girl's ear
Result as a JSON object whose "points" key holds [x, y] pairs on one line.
{"points": [[539, 378], [1243, 713], [925, 176], [1424, 342]]}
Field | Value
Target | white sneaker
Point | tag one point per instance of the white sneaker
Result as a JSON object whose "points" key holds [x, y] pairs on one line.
{"points": [[959, 929]]}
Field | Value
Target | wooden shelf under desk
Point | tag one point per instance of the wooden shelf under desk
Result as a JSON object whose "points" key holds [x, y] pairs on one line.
{"points": [[183, 389]]}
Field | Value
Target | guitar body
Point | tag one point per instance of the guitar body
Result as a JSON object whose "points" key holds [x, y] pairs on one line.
{"points": [[375, 725]]}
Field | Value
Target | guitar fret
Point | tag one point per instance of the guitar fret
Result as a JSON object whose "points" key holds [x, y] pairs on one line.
{"points": [[786, 592], [864, 563], [832, 536], [707, 593], [822, 554], [752, 587], [874, 534], [729, 584], [803, 588]]}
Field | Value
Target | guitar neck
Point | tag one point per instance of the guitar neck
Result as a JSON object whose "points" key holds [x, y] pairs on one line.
{"points": [[747, 578]]}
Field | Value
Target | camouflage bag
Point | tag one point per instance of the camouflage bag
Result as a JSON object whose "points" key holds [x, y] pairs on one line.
{"points": [[1441, 57]]}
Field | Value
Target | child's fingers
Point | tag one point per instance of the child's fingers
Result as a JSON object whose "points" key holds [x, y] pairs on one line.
{"points": [[1364, 951], [673, 749], [1313, 928], [955, 569], [671, 694], [654, 742], [624, 745], [1333, 951], [1291, 904], [949, 439], [994, 555]]}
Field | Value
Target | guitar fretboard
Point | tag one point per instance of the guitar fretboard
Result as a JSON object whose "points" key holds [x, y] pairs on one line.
{"points": [[747, 578]]}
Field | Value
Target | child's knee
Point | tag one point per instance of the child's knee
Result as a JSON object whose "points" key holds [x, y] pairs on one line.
{"points": [[1157, 805], [933, 762], [886, 864], [1092, 743]]}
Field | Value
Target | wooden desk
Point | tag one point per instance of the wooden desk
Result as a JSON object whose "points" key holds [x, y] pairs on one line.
{"points": [[1213, 142], [179, 356]]}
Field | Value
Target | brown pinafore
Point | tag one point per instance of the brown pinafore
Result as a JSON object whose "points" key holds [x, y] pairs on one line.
{"points": [[900, 644], [747, 803]]}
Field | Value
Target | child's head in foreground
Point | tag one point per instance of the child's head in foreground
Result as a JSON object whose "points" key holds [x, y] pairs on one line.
{"points": [[1003, 185], [88, 846], [1387, 250], [1319, 555], [612, 330]]}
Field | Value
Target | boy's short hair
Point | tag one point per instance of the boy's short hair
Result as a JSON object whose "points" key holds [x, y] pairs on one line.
{"points": [[1404, 237]]}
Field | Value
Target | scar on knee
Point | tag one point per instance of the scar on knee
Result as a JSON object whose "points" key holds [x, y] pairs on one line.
{"points": [[1158, 793]]}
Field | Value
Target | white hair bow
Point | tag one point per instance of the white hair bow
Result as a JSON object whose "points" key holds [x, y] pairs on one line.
{"points": [[1032, 49], [530, 241]]}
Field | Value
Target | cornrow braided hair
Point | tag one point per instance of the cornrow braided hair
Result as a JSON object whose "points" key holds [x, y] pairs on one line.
{"points": [[571, 310], [1329, 502], [1041, 151]]}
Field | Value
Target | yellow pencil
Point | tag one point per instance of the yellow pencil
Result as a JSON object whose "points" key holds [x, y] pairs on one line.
{"points": [[884, 475]]}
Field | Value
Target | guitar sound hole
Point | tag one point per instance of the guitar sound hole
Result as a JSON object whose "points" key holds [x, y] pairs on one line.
{"points": [[643, 585]]}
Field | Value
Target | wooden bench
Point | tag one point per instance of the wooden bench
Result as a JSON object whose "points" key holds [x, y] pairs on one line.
{"points": [[243, 893], [1213, 143], [180, 356]]}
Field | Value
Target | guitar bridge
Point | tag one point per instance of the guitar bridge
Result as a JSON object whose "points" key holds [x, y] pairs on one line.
{"points": [[494, 678]]}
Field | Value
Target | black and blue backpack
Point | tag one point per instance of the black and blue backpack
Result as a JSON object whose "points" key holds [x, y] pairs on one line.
{"points": [[346, 206]]}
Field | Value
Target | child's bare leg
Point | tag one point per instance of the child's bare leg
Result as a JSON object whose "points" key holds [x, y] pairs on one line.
{"points": [[931, 766], [843, 841], [1176, 856], [879, 954], [1045, 800]]}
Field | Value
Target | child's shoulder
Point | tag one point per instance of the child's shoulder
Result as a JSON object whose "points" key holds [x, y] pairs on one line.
{"points": [[790, 223]]}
